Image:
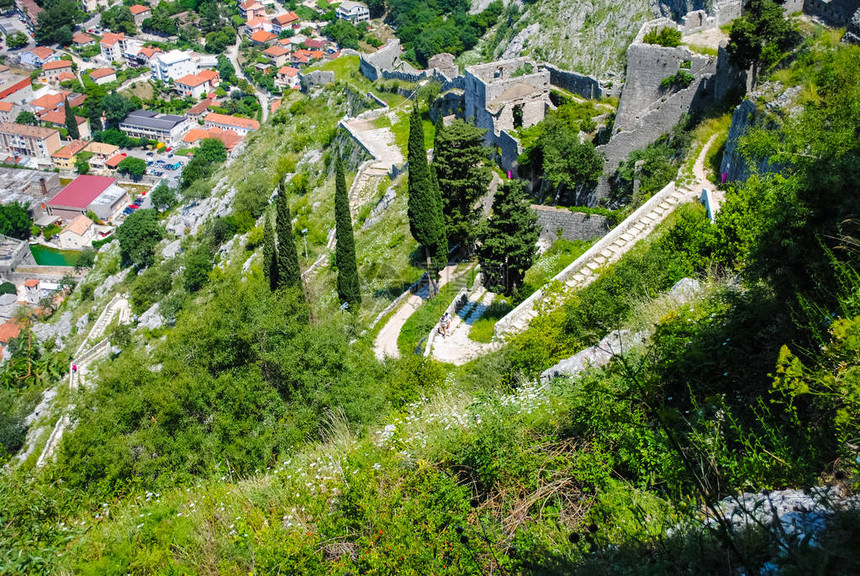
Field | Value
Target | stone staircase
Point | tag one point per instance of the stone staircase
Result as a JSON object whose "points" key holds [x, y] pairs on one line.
{"points": [[608, 249]]}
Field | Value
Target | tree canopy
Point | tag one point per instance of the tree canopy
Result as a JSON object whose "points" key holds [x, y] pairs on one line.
{"points": [[761, 36], [138, 235], [508, 240], [134, 167], [57, 20], [15, 220], [424, 208], [348, 286], [460, 160]]}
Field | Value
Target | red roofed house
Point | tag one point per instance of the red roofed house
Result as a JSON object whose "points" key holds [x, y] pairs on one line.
{"points": [[44, 104], [316, 44], [241, 125], [79, 233], [251, 8], [9, 111], [103, 75], [51, 71], [229, 137], [82, 39], [277, 54], [140, 13], [57, 118], [276, 104], [112, 162], [64, 158], [97, 193], [262, 38], [113, 46], [287, 77], [29, 11], [197, 85], [199, 110], [37, 57], [258, 23], [284, 21]]}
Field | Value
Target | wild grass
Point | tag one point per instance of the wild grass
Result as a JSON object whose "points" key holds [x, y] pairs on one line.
{"points": [[482, 329]]}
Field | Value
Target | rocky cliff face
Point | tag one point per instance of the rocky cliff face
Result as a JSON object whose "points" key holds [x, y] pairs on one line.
{"points": [[588, 36]]}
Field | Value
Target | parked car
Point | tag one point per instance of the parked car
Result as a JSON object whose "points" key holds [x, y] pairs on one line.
{"points": [[150, 153]]}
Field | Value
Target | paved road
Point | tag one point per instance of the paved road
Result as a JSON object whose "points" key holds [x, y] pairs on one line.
{"points": [[233, 56]]}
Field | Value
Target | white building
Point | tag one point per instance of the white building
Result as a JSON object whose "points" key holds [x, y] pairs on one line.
{"points": [[172, 65], [79, 233], [353, 11], [161, 127], [113, 47]]}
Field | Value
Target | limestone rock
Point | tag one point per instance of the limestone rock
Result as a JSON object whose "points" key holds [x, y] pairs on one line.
{"points": [[41, 407], [685, 290], [247, 265], [151, 319], [82, 322], [384, 204], [519, 42], [615, 342], [171, 250], [110, 282], [190, 218], [852, 34], [56, 331]]}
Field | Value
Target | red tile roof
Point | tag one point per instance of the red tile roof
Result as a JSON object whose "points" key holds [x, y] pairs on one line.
{"points": [[226, 120], [70, 149], [49, 102], [261, 36], [200, 108], [149, 52], [284, 19], [113, 161], [275, 51], [287, 71], [109, 39], [315, 44], [31, 282], [63, 76], [6, 106], [41, 52], [81, 38], [57, 65], [101, 73], [82, 191], [58, 116], [139, 9]]}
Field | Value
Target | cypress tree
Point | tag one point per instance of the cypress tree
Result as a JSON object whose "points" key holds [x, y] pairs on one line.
{"points": [[270, 268], [508, 240], [348, 289], [289, 273], [71, 122], [424, 207]]}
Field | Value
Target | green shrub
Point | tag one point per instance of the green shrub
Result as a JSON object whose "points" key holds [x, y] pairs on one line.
{"points": [[667, 37]]}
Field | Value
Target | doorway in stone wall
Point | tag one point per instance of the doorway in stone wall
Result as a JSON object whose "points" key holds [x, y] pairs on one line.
{"points": [[518, 116]]}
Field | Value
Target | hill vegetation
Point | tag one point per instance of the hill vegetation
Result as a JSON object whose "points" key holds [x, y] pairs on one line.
{"points": [[255, 432]]}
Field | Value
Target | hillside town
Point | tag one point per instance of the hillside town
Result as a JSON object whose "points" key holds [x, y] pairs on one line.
{"points": [[94, 120]]}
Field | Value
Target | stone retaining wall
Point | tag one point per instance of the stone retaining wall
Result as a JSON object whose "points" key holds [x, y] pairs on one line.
{"points": [[573, 225]]}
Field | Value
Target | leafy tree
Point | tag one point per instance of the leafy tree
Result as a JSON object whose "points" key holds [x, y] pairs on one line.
{"points": [[71, 121], [86, 259], [134, 167], [8, 288], [116, 107], [463, 173], [197, 268], [15, 220], [761, 36], [63, 36], [119, 19], [348, 288], [55, 16], [163, 197], [344, 33], [161, 23], [212, 150], [270, 262], [26, 117], [289, 272], [570, 164], [507, 244], [138, 236], [16, 40], [82, 162], [424, 208]]}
